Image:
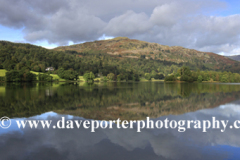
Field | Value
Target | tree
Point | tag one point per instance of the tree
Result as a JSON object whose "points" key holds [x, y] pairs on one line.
{"points": [[110, 76], [187, 75], [2, 78], [170, 78], [45, 77], [224, 78], [13, 76], [67, 74], [36, 68], [89, 77], [120, 77], [153, 73], [185, 71], [159, 76], [186, 78], [148, 76], [60, 72], [217, 77], [30, 77], [103, 79], [199, 79], [135, 77], [18, 76], [70, 74]]}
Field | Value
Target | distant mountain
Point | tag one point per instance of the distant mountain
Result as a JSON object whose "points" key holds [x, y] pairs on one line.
{"points": [[236, 58], [131, 48]]}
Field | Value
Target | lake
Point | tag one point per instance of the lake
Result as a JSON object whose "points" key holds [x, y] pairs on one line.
{"points": [[125, 101]]}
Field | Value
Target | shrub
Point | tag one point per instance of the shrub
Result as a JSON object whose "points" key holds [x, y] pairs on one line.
{"points": [[170, 78], [45, 77], [148, 76], [186, 78], [110, 76], [2, 78], [159, 76], [19, 76]]}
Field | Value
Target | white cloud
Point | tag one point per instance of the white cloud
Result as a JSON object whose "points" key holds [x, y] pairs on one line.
{"points": [[104, 37], [186, 23], [128, 24]]}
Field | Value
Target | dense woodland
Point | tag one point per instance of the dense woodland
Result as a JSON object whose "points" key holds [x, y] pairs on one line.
{"points": [[20, 59]]}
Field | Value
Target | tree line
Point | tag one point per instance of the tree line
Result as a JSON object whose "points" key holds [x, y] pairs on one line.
{"points": [[187, 75], [19, 59]]}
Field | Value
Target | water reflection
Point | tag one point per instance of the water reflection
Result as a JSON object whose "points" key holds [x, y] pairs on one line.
{"points": [[113, 100], [125, 101], [125, 144]]}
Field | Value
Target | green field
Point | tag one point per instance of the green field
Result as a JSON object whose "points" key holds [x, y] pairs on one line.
{"points": [[143, 79], [2, 72], [158, 80], [2, 90], [152, 79], [81, 78], [55, 76]]}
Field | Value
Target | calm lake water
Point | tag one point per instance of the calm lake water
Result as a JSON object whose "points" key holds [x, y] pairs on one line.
{"points": [[127, 101]]}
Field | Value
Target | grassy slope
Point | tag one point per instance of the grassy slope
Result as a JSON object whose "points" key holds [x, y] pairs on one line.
{"points": [[55, 76], [2, 90], [152, 79], [2, 72]]}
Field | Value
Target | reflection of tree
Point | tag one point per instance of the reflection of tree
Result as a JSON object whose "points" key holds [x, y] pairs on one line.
{"points": [[111, 100], [89, 86], [185, 90]]}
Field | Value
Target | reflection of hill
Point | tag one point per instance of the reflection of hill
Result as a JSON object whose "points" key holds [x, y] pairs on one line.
{"points": [[108, 101], [174, 106]]}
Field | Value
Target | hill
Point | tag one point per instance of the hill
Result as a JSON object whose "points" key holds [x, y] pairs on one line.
{"points": [[121, 58], [135, 49], [236, 58], [20, 56]]}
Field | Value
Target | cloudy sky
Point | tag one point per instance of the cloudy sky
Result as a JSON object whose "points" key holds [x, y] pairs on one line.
{"points": [[206, 25]]}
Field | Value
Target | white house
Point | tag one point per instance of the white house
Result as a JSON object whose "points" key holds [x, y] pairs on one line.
{"points": [[49, 69]]}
